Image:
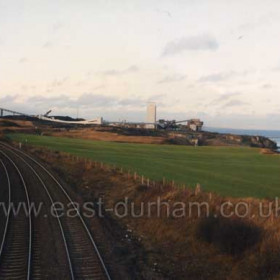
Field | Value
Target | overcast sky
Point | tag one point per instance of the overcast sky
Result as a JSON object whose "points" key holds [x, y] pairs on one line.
{"points": [[218, 60]]}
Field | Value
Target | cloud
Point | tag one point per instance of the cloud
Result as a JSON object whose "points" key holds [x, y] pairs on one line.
{"points": [[95, 100], [221, 99], [267, 86], [59, 82], [99, 87], [131, 69], [258, 22], [217, 77], [113, 72], [8, 99], [47, 45], [164, 12], [25, 87], [224, 97], [57, 26], [99, 100], [53, 101], [56, 83], [234, 103], [86, 101], [22, 60], [132, 102], [173, 78], [157, 96], [192, 43], [276, 68], [222, 76]]}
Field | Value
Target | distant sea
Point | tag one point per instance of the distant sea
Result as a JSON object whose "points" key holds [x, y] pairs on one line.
{"points": [[272, 134]]}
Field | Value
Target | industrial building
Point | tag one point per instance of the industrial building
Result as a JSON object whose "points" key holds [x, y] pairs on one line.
{"points": [[151, 121], [195, 124]]}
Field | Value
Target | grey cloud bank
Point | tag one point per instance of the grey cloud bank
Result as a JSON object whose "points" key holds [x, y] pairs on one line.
{"points": [[133, 109], [86, 100]]}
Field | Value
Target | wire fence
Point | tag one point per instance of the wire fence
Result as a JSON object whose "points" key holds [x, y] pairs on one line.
{"points": [[129, 174]]}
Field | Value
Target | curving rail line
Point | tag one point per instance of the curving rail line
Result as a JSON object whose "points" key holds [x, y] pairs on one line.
{"points": [[57, 216], [17, 242], [76, 235], [9, 203]]}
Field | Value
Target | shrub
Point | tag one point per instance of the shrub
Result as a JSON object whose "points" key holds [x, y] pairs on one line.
{"points": [[231, 236]]}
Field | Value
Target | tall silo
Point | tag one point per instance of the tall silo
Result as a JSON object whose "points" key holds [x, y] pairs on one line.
{"points": [[151, 115]]}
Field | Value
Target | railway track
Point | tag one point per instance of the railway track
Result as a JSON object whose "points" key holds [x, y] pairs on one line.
{"points": [[6, 197], [80, 258], [16, 246]]}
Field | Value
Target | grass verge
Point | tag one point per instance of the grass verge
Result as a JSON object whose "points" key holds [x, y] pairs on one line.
{"points": [[229, 171]]}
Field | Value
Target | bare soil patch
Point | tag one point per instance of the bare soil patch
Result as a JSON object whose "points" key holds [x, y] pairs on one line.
{"points": [[92, 134], [15, 125]]}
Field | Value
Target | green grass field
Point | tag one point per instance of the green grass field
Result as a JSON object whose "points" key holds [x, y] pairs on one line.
{"points": [[230, 171]]}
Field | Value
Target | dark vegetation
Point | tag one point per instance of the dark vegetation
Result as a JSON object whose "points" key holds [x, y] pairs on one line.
{"points": [[7, 123], [231, 236]]}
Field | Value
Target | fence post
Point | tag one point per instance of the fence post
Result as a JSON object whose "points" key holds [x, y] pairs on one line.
{"points": [[197, 189]]}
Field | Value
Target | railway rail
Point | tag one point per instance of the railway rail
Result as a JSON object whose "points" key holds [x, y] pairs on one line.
{"points": [[16, 245], [5, 218], [81, 257]]}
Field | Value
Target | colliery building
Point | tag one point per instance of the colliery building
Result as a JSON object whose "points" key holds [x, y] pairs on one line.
{"points": [[195, 124]]}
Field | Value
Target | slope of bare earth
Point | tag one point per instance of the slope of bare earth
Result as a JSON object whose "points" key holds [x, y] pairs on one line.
{"points": [[94, 134], [15, 125], [175, 246], [164, 137]]}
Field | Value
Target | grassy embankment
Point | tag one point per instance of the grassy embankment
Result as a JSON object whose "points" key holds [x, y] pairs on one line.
{"points": [[159, 246], [229, 171]]}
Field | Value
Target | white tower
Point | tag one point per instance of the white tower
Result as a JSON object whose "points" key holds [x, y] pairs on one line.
{"points": [[151, 115]]}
